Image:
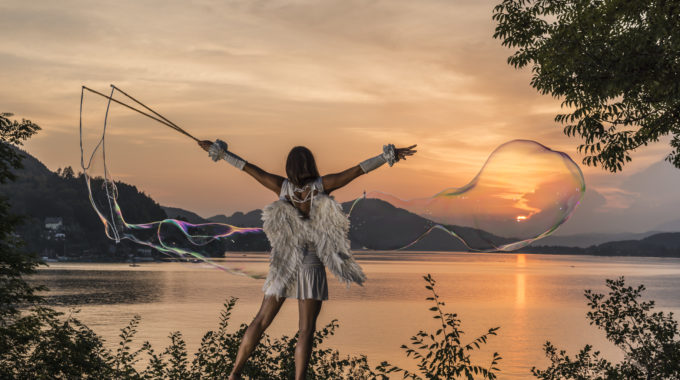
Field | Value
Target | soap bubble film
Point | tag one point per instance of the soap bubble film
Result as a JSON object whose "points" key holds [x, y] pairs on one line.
{"points": [[523, 192], [173, 237]]}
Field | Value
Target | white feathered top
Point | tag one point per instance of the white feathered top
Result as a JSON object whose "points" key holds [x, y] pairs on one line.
{"points": [[327, 227]]}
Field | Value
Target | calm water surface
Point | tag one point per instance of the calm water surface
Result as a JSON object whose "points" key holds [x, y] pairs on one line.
{"points": [[533, 298]]}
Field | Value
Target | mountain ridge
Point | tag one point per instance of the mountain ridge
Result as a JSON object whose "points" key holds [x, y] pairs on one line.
{"points": [[40, 193]]}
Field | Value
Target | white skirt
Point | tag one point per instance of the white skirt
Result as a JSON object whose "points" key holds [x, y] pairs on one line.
{"points": [[311, 278]]}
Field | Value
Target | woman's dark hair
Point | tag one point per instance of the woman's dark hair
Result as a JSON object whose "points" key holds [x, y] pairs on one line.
{"points": [[301, 166]]}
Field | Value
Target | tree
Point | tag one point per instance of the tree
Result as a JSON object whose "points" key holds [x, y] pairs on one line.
{"points": [[34, 342], [14, 262], [648, 339], [67, 173], [615, 64]]}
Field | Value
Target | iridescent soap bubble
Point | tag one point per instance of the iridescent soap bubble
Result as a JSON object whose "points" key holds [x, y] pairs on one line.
{"points": [[523, 192]]}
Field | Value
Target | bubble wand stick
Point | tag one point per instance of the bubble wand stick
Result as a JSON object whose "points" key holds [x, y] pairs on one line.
{"points": [[163, 120]]}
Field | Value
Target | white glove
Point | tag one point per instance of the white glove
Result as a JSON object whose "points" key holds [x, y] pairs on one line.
{"points": [[218, 151], [388, 155]]}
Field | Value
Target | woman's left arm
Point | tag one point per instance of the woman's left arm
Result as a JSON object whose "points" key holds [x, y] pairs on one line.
{"points": [[337, 180]]}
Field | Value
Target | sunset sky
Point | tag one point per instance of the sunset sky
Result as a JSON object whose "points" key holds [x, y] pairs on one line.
{"points": [[341, 77]]}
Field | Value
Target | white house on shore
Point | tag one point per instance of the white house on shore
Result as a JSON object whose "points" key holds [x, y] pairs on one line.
{"points": [[54, 224]]}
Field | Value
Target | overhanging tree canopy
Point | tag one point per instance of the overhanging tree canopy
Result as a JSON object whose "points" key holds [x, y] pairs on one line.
{"points": [[614, 63]]}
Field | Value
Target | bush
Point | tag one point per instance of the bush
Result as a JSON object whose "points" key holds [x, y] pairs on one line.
{"points": [[442, 355], [648, 339], [46, 347]]}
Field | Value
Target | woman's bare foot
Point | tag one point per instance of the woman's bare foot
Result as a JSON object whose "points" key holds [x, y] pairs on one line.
{"points": [[234, 377]]}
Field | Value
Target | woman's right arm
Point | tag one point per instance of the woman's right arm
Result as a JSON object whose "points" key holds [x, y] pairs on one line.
{"points": [[272, 182]]}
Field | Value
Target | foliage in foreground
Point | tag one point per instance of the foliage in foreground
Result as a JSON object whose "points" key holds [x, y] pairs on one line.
{"points": [[442, 355], [51, 348], [47, 345], [648, 339]]}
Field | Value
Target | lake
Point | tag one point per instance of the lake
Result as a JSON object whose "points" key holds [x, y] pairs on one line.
{"points": [[533, 298]]}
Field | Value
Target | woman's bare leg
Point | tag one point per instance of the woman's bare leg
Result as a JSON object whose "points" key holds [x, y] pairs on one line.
{"points": [[270, 307], [309, 310]]}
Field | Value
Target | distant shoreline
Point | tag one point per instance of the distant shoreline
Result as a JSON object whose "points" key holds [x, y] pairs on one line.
{"points": [[362, 255]]}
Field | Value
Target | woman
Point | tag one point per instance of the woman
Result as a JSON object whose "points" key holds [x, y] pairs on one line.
{"points": [[308, 233]]}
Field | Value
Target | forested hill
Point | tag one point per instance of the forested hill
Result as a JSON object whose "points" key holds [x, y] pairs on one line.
{"points": [[666, 244], [382, 221], [38, 194], [374, 224]]}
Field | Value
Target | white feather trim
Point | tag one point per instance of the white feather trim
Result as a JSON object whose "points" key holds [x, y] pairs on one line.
{"points": [[287, 231]]}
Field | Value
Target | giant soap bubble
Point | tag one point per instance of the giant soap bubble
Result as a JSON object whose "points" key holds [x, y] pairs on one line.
{"points": [[523, 192]]}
